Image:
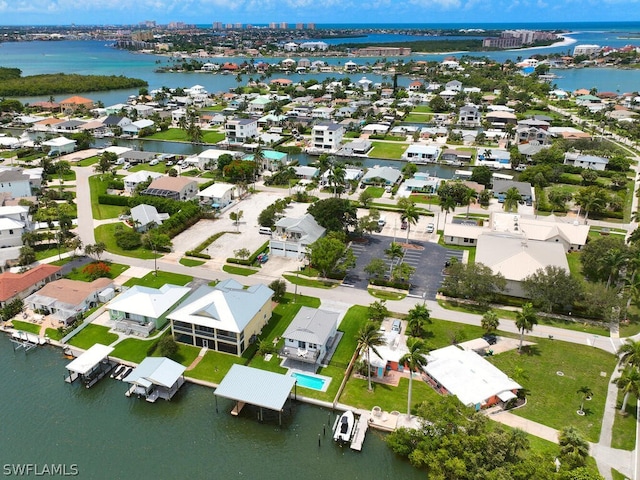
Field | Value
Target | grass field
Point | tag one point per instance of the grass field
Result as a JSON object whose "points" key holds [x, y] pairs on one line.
{"points": [[179, 135], [189, 262], [239, 270], [624, 426], [92, 334], [376, 192], [26, 326], [87, 162], [418, 118], [101, 212], [553, 399], [388, 150], [106, 233], [133, 349], [152, 280]]}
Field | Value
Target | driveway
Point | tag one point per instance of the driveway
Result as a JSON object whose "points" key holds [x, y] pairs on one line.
{"points": [[426, 257]]}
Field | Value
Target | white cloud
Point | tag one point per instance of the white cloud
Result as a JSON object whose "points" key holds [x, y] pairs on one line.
{"points": [[446, 4]]}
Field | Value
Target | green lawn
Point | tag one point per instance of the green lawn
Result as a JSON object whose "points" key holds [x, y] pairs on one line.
{"points": [[388, 397], [152, 280], [77, 273], [376, 192], [214, 366], [385, 295], [422, 109], [101, 212], [189, 262], [308, 282], [92, 334], [624, 426], [239, 270], [53, 334], [26, 326], [553, 400], [133, 349], [388, 150], [185, 356], [418, 118], [45, 251], [87, 162], [353, 320], [575, 265], [160, 168], [106, 233], [179, 135]]}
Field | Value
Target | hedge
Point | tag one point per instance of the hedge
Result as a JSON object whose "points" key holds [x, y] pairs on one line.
{"points": [[194, 253], [379, 282], [251, 260]]}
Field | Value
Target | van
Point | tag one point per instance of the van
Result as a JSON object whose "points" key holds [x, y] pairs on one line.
{"points": [[265, 231], [396, 326], [153, 162], [382, 221]]}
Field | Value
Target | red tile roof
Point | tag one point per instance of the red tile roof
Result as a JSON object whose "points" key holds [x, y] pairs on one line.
{"points": [[13, 283]]}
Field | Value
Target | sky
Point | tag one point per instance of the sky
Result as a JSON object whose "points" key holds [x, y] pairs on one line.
{"points": [[122, 12]]}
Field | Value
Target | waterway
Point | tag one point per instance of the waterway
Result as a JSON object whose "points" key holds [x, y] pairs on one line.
{"points": [[44, 420]]}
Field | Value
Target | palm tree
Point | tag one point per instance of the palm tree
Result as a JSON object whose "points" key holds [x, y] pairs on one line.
{"points": [[394, 251], [511, 200], [417, 319], [414, 359], [258, 157], [628, 383], [525, 320], [468, 197], [614, 259], [490, 321], [447, 204], [586, 392], [336, 177], [369, 337], [573, 447], [409, 214], [629, 353]]}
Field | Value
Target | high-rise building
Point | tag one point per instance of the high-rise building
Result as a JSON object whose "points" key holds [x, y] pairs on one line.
{"points": [[283, 25], [238, 26], [299, 26], [217, 25], [273, 25], [311, 26]]}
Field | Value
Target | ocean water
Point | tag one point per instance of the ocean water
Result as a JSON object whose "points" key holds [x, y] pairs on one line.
{"points": [[106, 435]]}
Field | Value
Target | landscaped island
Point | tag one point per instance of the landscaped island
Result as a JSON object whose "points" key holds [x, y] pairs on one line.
{"points": [[14, 84]]}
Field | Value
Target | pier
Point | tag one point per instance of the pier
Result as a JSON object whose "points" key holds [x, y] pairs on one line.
{"points": [[360, 431]]}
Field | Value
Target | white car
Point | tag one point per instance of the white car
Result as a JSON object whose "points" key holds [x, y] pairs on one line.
{"points": [[431, 228], [126, 166], [153, 162]]}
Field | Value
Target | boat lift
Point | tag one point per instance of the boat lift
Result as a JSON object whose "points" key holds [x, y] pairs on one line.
{"points": [[25, 340]]}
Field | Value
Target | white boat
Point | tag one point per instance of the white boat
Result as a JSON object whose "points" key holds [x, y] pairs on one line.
{"points": [[343, 428]]}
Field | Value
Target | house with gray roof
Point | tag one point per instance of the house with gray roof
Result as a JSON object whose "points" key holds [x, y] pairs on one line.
{"points": [[501, 186], [292, 236], [592, 162], [226, 318], [134, 179], [15, 182], [310, 335], [145, 217], [382, 176]]}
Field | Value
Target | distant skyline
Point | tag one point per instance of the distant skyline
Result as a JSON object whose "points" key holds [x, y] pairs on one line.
{"points": [[128, 12]]}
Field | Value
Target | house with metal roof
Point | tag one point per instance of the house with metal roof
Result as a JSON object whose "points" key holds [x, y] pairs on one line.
{"points": [[156, 377], [146, 216], [465, 374], [382, 176], [142, 310], [218, 195], [177, 188], [421, 154], [225, 318], [592, 162], [292, 236], [310, 335], [132, 180], [59, 145]]}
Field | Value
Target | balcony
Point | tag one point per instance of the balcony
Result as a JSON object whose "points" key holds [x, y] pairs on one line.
{"points": [[301, 355]]}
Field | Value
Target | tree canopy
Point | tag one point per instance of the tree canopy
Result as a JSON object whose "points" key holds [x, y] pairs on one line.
{"points": [[334, 214]]}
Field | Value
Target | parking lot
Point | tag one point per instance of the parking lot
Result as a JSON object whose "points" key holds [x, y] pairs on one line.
{"points": [[426, 257]]}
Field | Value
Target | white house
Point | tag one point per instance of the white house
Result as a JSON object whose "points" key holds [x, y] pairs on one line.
{"points": [[592, 162], [156, 377], [240, 130], [16, 182], [292, 236], [59, 146], [134, 127], [218, 195], [209, 158], [382, 175], [469, 116], [132, 180], [310, 335], [327, 136], [142, 310], [421, 154]]}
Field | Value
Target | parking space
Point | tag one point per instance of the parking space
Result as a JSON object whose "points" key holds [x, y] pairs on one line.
{"points": [[426, 257]]}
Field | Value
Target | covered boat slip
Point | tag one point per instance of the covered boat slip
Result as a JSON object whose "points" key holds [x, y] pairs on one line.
{"points": [[256, 387], [156, 377], [91, 366]]}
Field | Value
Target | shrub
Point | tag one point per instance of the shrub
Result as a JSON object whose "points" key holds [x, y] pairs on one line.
{"points": [[167, 347], [96, 270], [128, 239]]}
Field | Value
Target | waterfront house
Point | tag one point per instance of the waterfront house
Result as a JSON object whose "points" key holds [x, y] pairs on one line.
{"points": [[240, 130], [208, 159], [455, 85], [134, 128], [15, 182], [292, 236], [177, 188], [225, 318], [135, 157], [145, 216], [134, 179], [389, 354], [156, 377], [59, 146], [501, 186], [74, 103], [141, 310], [326, 137], [305, 172], [455, 157], [310, 335], [382, 176], [23, 284], [500, 118], [218, 195], [418, 153], [476, 382], [420, 183], [65, 299], [469, 116], [494, 158]]}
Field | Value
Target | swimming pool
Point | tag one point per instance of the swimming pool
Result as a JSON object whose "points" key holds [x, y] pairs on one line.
{"points": [[314, 382]]}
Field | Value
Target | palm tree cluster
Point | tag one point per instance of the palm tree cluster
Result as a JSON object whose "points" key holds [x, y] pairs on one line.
{"points": [[629, 381]]}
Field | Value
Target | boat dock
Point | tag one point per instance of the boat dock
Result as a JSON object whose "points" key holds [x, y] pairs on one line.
{"points": [[26, 340], [359, 432]]}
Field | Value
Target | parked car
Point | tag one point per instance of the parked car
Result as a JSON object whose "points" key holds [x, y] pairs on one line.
{"points": [[431, 228], [126, 166], [153, 162], [490, 338]]}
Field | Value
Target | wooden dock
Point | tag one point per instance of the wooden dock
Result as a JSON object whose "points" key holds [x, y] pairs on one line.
{"points": [[359, 432]]}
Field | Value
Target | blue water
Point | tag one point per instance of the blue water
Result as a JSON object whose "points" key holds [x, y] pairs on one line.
{"points": [[309, 381]]}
